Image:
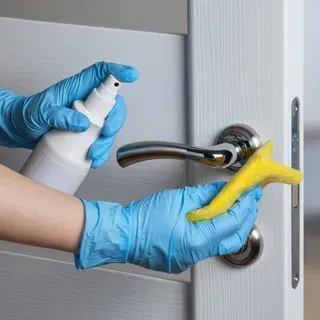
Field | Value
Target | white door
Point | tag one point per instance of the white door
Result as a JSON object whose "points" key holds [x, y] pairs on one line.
{"points": [[246, 61], [244, 66]]}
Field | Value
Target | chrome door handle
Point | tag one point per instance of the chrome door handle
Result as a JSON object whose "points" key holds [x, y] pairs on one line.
{"points": [[233, 147], [222, 155]]}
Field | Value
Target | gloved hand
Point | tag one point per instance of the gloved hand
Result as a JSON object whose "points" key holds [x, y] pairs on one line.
{"points": [[23, 120], [154, 232]]}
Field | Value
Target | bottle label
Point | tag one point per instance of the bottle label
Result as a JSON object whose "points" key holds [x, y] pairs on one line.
{"points": [[56, 176]]}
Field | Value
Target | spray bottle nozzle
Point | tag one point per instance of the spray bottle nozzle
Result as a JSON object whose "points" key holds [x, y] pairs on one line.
{"points": [[102, 99], [112, 84]]}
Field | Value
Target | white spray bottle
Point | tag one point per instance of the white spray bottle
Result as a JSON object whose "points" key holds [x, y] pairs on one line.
{"points": [[60, 159]]}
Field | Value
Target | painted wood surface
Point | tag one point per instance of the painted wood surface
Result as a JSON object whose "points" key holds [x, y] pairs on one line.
{"points": [[34, 55], [37, 289], [246, 66]]}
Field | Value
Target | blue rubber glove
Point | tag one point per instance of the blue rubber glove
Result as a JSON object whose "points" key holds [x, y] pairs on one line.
{"points": [[155, 234], [24, 120]]}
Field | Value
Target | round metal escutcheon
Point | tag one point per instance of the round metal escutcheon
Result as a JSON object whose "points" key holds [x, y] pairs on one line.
{"points": [[242, 135], [249, 253]]}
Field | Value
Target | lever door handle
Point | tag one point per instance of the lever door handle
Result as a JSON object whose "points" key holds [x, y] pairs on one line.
{"points": [[222, 155], [234, 146]]}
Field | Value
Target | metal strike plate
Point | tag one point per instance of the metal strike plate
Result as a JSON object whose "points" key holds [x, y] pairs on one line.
{"points": [[295, 195], [249, 253]]}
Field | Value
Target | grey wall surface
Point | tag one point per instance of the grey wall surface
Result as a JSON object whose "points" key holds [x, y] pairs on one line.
{"points": [[168, 16], [312, 109], [312, 155]]}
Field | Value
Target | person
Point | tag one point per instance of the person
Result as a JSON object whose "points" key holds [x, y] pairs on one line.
{"points": [[152, 232]]}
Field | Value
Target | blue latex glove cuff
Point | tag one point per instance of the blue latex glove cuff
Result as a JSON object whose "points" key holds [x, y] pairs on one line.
{"points": [[106, 235]]}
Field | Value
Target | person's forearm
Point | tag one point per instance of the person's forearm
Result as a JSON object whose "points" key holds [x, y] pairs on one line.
{"points": [[33, 214]]}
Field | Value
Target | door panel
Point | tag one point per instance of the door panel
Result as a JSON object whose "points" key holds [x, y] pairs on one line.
{"points": [[34, 55], [148, 15], [37, 289], [246, 66], [43, 284]]}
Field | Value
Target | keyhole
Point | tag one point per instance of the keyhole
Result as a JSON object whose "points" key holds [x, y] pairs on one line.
{"points": [[243, 248]]}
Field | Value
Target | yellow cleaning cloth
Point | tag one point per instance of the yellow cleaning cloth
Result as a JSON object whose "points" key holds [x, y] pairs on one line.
{"points": [[260, 169]]}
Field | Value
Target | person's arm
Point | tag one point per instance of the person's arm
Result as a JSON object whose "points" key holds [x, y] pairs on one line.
{"points": [[33, 214], [152, 232]]}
